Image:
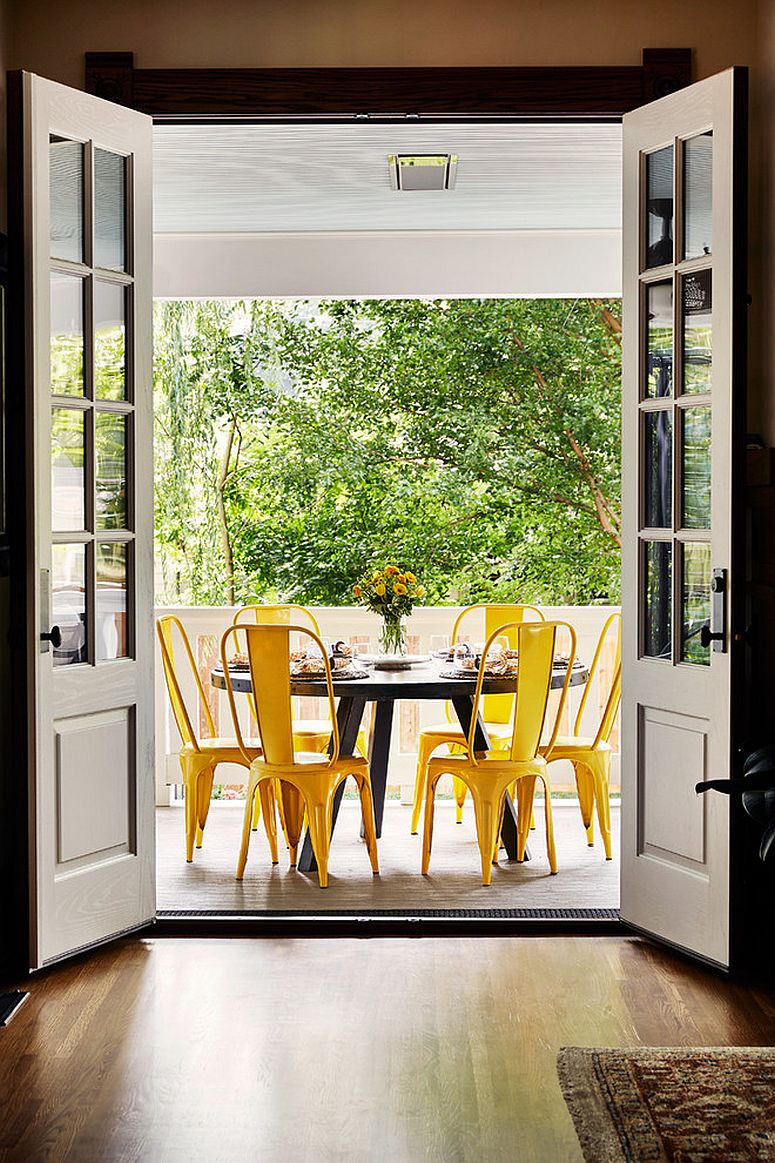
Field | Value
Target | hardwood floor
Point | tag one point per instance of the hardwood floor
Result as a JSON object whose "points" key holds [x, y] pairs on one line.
{"points": [[234, 1050]]}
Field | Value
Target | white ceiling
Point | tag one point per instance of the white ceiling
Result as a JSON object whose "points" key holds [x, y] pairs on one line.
{"points": [[259, 179]]}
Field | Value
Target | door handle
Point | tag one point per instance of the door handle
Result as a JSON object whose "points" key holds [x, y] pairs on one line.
{"points": [[54, 636], [715, 634], [706, 636]]}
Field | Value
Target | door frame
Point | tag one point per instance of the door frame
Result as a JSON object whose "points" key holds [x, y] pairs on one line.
{"points": [[327, 94], [345, 94]]}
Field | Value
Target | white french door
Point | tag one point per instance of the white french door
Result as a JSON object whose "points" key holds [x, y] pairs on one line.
{"points": [[88, 366], [682, 451]]}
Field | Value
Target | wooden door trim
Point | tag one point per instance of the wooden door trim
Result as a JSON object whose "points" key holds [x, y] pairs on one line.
{"points": [[360, 93]]}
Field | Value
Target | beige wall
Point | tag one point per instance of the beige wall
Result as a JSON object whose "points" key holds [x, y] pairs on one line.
{"points": [[51, 36]]}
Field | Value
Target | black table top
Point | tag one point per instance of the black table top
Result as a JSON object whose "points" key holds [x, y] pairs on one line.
{"points": [[420, 682]]}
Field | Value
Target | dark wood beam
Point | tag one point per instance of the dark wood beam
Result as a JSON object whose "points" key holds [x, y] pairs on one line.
{"points": [[575, 91]]}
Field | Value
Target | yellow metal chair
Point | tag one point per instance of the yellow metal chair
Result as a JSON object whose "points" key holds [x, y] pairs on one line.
{"points": [[199, 756], [591, 754], [518, 761], [311, 778], [497, 710], [308, 734]]}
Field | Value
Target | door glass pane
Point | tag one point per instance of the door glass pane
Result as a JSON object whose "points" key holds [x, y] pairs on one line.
{"points": [[658, 469], [659, 207], [110, 470], [68, 496], [698, 195], [66, 194], [695, 469], [695, 603], [659, 347], [697, 332], [109, 341], [68, 602], [109, 210], [657, 621], [111, 601], [66, 335]]}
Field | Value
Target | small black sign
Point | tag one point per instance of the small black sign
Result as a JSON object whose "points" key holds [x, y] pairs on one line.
{"points": [[698, 299]]}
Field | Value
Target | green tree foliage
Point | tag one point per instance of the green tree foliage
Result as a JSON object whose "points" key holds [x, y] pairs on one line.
{"points": [[474, 441]]}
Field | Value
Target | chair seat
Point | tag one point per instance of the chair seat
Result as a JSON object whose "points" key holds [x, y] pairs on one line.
{"points": [[310, 759], [312, 727], [566, 746], [454, 732], [223, 744], [494, 761]]}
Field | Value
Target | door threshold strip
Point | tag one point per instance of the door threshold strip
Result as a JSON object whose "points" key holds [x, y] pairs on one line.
{"points": [[580, 914]]}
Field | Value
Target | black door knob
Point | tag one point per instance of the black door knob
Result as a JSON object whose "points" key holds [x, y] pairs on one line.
{"points": [[54, 636], [707, 636]]}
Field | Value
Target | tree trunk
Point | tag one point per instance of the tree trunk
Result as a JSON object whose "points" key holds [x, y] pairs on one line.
{"points": [[223, 476]]}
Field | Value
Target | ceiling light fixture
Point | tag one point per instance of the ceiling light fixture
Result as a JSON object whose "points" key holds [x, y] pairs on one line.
{"points": [[427, 171]]}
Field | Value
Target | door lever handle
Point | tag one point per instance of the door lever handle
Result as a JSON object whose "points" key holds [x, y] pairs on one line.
{"points": [[707, 636], [54, 636]]}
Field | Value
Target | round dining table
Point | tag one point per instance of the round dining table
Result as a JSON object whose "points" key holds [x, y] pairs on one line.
{"points": [[419, 682]]}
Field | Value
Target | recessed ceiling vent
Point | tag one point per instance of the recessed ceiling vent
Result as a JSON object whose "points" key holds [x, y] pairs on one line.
{"points": [[423, 171]]}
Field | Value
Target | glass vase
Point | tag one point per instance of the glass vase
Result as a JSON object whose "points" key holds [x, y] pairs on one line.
{"points": [[392, 639]]}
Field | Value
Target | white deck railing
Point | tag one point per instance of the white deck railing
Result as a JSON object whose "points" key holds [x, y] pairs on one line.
{"points": [[206, 624]]}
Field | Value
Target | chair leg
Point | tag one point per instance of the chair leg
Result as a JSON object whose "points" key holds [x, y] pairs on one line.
{"points": [[319, 824], [204, 792], [424, 751], [461, 791], [586, 792], [430, 796], [293, 810], [369, 827], [550, 848], [525, 794], [256, 814], [190, 772], [600, 767], [487, 815], [266, 800], [242, 859], [278, 795]]}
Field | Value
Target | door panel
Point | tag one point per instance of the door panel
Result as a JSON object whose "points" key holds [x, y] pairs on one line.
{"points": [[87, 226], [682, 451]]}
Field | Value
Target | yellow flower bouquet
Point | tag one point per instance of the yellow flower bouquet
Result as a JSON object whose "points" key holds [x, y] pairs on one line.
{"points": [[390, 592]]}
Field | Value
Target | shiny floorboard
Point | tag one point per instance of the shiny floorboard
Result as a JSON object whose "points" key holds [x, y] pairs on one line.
{"points": [[175, 1051], [585, 878]]}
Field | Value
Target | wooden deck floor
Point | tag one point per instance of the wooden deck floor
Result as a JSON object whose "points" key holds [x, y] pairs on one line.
{"points": [[399, 1050], [585, 879]]}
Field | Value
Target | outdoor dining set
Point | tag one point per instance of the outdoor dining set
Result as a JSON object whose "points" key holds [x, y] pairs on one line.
{"points": [[501, 733]]}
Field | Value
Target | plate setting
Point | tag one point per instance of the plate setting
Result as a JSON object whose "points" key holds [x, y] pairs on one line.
{"points": [[394, 661]]}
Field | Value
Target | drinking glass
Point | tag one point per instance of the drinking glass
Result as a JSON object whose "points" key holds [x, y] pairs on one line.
{"points": [[496, 654], [439, 643], [462, 655], [361, 650]]}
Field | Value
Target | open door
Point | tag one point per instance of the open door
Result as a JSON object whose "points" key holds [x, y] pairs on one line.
{"points": [[82, 192], [683, 448]]}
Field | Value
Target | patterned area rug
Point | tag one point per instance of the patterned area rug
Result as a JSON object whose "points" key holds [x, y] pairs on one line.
{"points": [[692, 1106]]}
